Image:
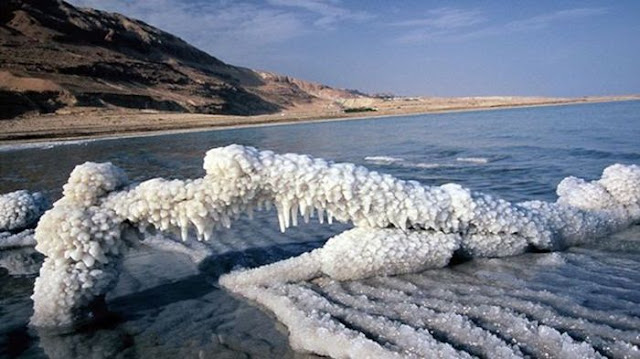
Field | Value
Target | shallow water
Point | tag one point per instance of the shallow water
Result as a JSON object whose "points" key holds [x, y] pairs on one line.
{"points": [[174, 309]]}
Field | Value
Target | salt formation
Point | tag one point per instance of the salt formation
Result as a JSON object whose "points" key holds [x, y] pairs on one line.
{"points": [[20, 261], [401, 226], [10, 240], [81, 240], [20, 210]]}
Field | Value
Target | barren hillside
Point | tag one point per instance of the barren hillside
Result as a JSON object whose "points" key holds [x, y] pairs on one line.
{"points": [[54, 55]]}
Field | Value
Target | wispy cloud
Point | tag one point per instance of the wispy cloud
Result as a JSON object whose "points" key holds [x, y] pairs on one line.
{"points": [[546, 20], [210, 22], [329, 12], [439, 24], [446, 18], [456, 24], [234, 29]]}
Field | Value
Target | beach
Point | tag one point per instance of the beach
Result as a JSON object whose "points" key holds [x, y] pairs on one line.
{"points": [[86, 122]]}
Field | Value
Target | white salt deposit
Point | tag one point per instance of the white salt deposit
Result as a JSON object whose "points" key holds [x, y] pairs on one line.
{"points": [[401, 227], [426, 165], [20, 261], [397, 161], [196, 251], [81, 240], [476, 160], [20, 210], [15, 240], [43, 145], [383, 159]]}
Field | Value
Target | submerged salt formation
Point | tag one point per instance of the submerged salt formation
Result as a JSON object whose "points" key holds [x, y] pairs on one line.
{"points": [[10, 240], [20, 261], [20, 210], [19, 213], [401, 226]]}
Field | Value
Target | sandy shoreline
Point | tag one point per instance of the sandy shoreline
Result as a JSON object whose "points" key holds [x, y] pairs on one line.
{"points": [[101, 124]]}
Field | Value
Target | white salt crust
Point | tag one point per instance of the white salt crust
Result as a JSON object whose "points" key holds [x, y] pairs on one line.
{"points": [[20, 210], [10, 240], [81, 240], [20, 260], [400, 226]]}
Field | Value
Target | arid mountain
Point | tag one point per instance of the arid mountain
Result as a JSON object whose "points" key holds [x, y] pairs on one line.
{"points": [[54, 55]]}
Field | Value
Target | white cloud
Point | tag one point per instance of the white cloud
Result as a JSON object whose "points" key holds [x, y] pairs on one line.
{"points": [[439, 23], [546, 20], [446, 18], [328, 12], [456, 24]]}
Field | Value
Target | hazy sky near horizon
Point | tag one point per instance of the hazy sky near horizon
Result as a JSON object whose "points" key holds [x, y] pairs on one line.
{"points": [[434, 48]]}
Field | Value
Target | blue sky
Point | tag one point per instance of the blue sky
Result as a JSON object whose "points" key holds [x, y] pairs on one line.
{"points": [[431, 48]]}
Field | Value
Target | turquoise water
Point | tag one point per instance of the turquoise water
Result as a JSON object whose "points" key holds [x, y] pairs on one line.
{"points": [[517, 154]]}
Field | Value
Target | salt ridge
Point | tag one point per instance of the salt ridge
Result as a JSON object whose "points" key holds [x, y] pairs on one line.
{"points": [[475, 160], [398, 161], [383, 159], [48, 144]]}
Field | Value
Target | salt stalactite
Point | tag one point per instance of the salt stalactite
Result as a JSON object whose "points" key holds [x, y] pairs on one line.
{"points": [[401, 226]]}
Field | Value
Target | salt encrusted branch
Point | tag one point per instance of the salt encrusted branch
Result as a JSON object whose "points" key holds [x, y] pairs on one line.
{"points": [[401, 226]]}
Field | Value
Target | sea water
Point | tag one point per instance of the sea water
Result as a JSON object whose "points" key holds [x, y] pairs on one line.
{"points": [[168, 306]]}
